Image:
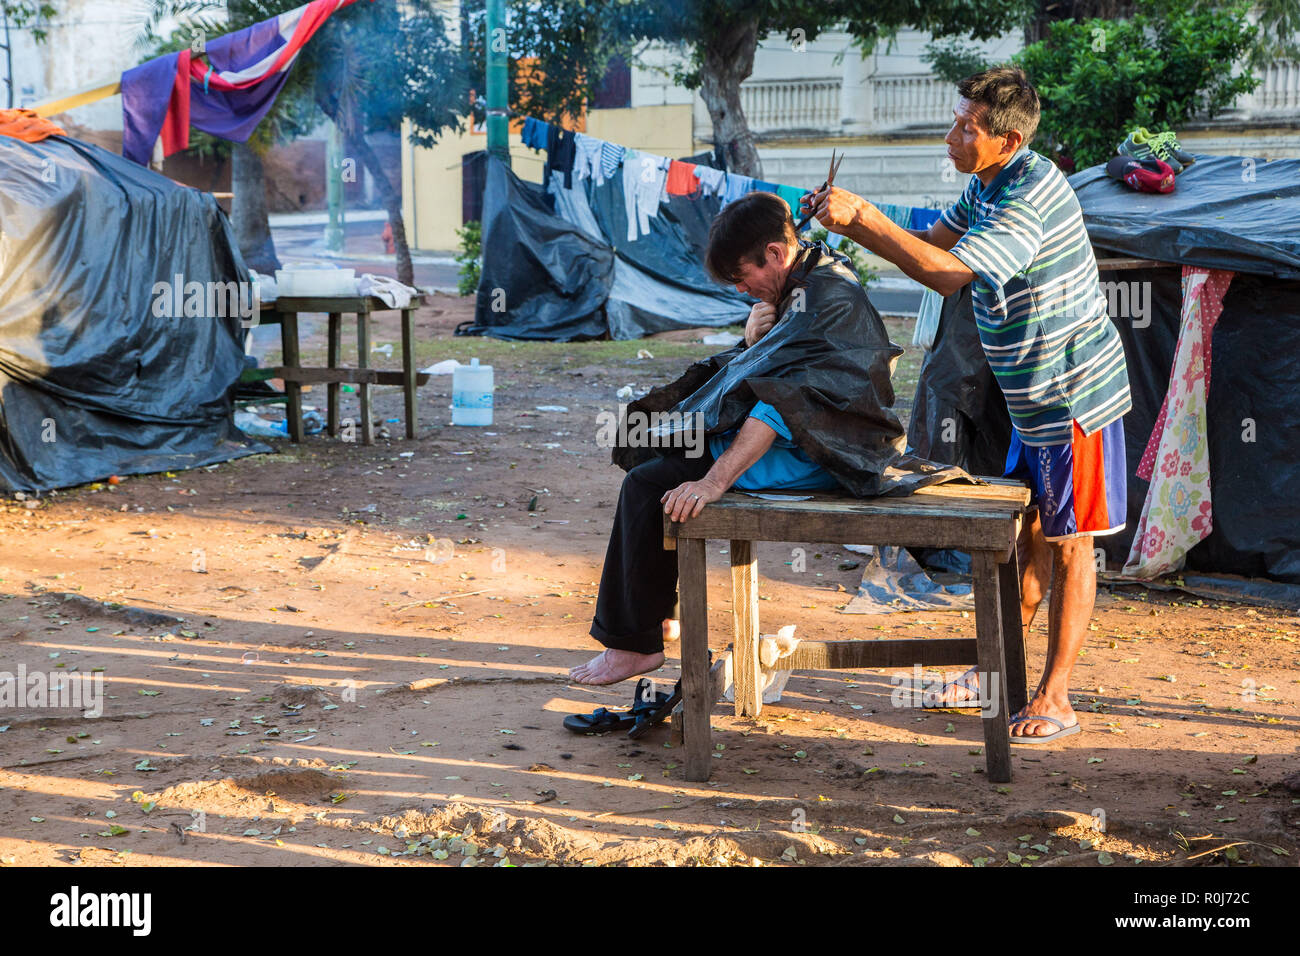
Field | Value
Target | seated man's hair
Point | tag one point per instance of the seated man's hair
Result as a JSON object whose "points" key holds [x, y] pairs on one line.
{"points": [[742, 230], [1010, 97]]}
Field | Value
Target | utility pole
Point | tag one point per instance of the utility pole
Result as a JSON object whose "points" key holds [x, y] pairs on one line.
{"points": [[498, 128], [334, 188]]}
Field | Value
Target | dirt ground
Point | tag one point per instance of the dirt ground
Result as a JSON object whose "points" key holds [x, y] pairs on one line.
{"points": [[369, 668]]}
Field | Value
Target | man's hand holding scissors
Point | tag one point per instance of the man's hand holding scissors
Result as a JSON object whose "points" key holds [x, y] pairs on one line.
{"points": [[840, 210]]}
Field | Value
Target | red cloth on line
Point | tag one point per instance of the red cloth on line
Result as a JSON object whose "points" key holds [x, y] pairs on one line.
{"points": [[27, 126], [682, 180]]}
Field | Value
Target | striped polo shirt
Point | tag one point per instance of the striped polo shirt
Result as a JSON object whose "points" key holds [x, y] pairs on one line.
{"points": [[1038, 303]]}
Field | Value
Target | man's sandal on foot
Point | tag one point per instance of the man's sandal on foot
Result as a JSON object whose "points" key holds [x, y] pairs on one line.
{"points": [[1046, 738], [602, 720]]}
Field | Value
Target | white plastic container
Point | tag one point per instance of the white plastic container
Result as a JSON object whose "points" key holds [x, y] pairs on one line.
{"points": [[316, 282], [471, 394]]}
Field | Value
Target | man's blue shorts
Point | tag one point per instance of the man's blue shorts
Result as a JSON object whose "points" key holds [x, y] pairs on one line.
{"points": [[1080, 487]]}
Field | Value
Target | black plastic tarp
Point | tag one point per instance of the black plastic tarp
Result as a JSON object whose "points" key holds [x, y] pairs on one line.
{"points": [[825, 367], [1226, 212], [93, 380], [557, 263]]}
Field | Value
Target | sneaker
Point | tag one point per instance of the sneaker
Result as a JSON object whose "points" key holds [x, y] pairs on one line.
{"points": [[1167, 142], [1140, 144], [1145, 175]]}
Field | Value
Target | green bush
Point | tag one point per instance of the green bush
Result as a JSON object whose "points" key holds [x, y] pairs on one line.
{"points": [[856, 255], [470, 257], [954, 59], [1098, 79]]}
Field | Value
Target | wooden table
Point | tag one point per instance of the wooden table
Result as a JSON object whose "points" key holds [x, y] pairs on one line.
{"points": [[285, 309], [983, 520]]}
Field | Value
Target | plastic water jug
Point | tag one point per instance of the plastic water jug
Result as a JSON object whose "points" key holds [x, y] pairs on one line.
{"points": [[471, 394]]}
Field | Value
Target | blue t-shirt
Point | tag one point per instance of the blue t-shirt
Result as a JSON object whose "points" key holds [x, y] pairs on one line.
{"points": [[784, 466]]}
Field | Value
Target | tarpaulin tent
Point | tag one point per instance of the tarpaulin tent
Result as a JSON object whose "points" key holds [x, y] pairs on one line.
{"points": [[558, 266], [100, 372], [1226, 213]]}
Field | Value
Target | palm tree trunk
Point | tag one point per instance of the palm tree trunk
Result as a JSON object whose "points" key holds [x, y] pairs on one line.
{"points": [[392, 201], [248, 210], [728, 61]]}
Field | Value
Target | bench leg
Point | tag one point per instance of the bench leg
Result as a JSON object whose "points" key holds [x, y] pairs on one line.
{"points": [[292, 390], [746, 674], [693, 587], [992, 665], [1013, 637], [363, 390], [408, 370], [334, 348]]}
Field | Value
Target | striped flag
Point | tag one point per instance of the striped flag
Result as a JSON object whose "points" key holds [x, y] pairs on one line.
{"points": [[225, 95]]}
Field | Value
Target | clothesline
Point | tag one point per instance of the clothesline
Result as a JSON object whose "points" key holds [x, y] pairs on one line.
{"points": [[649, 179]]}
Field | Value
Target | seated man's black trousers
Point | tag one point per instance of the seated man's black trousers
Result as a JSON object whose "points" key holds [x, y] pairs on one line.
{"points": [[638, 586]]}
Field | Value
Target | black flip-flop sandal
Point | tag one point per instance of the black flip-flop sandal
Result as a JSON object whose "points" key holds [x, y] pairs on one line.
{"points": [[602, 720], [655, 711]]}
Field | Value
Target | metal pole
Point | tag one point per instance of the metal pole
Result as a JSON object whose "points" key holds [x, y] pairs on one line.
{"points": [[334, 188], [498, 130]]}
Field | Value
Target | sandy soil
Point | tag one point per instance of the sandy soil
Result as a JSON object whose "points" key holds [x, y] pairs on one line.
{"points": [[369, 667]]}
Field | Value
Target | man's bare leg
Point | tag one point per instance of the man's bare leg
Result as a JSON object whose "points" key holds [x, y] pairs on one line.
{"points": [[1074, 592], [1034, 558], [611, 666]]}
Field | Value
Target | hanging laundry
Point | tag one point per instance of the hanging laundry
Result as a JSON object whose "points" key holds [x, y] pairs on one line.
{"points": [[586, 163], [681, 180], [791, 195], [762, 187], [736, 186], [561, 150], [898, 215], [644, 175], [1177, 512], [711, 180], [611, 157], [923, 219], [535, 133]]}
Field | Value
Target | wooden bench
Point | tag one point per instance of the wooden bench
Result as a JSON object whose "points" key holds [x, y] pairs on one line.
{"points": [[983, 520], [285, 309]]}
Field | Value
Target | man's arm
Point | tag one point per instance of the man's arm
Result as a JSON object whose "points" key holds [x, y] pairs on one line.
{"points": [[752, 442], [923, 256]]}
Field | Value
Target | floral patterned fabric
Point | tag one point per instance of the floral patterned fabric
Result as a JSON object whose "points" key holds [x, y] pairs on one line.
{"points": [[1177, 513]]}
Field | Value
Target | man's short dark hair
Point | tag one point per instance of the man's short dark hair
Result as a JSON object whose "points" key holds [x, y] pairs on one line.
{"points": [[741, 231], [1011, 99]]}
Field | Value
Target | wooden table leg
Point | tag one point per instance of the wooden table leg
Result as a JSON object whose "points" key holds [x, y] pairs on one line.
{"points": [[363, 389], [746, 674], [332, 390], [1013, 637], [408, 369], [991, 665], [292, 360], [693, 587]]}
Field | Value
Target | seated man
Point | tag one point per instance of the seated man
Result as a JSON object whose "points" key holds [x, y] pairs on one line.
{"points": [[803, 404]]}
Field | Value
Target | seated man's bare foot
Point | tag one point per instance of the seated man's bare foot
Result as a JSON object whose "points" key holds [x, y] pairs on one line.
{"points": [[672, 629], [963, 692], [1022, 724], [612, 666]]}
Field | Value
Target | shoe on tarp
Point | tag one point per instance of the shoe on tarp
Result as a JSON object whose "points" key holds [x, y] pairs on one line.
{"points": [[1142, 144], [1144, 175]]}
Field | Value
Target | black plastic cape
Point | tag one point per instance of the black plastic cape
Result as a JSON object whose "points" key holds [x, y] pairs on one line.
{"points": [[93, 380], [825, 367]]}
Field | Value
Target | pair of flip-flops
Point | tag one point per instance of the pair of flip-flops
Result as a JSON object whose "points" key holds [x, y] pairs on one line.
{"points": [[648, 708]]}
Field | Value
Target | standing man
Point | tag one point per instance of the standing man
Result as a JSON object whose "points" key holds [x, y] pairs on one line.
{"points": [[1017, 234]]}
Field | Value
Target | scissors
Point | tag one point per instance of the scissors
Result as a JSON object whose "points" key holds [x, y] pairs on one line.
{"points": [[830, 180]]}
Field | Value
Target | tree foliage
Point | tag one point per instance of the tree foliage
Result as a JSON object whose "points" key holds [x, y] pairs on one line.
{"points": [[1097, 79]]}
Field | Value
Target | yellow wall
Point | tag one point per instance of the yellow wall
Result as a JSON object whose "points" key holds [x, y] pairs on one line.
{"points": [[431, 178]]}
